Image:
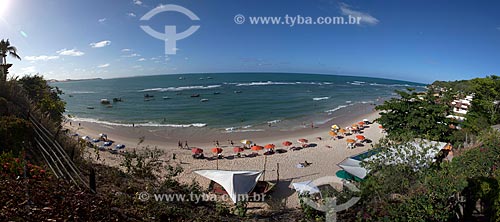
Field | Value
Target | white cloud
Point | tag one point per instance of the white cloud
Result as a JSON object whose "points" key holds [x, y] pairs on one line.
{"points": [[137, 2], [100, 44], [103, 65], [102, 20], [131, 14], [126, 50], [40, 58], [70, 52], [131, 55], [136, 66], [29, 69], [141, 59], [366, 18]]}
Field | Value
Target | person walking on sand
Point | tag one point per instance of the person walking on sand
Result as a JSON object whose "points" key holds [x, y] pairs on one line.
{"points": [[186, 144], [179, 144], [312, 125], [232, 143], [217, 143]]}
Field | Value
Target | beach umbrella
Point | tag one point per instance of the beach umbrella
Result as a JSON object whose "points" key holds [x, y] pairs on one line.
{"points": [[380, 126], [365, 120], [350, 141], [361, 123], [360, 137], [287, 143], [196, 150], [246, 142], [238, 149], [332, 133], [335, 127], [342, 131], [302, 140], [269, 146], [354, 125], [257, 148], [216, 150]]}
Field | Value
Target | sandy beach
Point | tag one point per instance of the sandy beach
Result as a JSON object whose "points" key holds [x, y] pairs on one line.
{"points": [[324, 156]]}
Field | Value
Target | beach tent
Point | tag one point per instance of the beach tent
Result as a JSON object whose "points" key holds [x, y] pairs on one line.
{"points": [[305, 186], [236, 183], [353, 167]]}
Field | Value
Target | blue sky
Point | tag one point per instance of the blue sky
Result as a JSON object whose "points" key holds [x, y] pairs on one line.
{"points": [[418, 41]]}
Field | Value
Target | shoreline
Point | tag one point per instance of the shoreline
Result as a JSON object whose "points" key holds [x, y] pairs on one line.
{"points": [[324, 156]]}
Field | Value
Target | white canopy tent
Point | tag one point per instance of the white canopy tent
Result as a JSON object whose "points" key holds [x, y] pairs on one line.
{"points": [[305, 186], [234, 182], [353, 167]]}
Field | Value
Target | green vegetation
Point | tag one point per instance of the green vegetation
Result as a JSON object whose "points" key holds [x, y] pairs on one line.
{"points": [[7, 49], [411, 116]]}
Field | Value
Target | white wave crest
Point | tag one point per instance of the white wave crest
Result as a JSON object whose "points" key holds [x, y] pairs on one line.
{"points": [[181, 88], [148, 124], [321, 98]]}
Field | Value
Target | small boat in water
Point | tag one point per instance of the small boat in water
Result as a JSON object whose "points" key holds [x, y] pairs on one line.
{"points": [[216, 93], [148, 96], [203, 100], [105, 101], [181, 78], [237, 92], [166, 97], [117, 100], [195, 95], [90, 107]]}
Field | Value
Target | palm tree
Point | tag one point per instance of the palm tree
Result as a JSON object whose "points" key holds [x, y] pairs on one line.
{"points": [[7, 49]]}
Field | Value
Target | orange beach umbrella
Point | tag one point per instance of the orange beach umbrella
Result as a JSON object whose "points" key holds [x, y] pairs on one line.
{"points": [[360, 137], [269, 146], [217, 150], [238, 149], [257, 148], [361, 123], [380, 126], [350, 141], [287, 143], [332, 133], [197, 150], [354, 125], [302, 140]]}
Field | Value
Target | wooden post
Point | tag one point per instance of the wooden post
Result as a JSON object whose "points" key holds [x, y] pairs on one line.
{"points": [[217, 162], [277, 172], [92, 180], [264, 174]]}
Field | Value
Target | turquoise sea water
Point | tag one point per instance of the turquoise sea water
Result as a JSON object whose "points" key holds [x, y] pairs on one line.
{"points": [[236, 101]]}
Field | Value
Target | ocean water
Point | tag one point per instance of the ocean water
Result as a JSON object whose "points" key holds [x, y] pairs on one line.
{"points": [[237, 102]]}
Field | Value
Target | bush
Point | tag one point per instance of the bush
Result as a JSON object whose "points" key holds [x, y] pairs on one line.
{"points": [[15, 133]]}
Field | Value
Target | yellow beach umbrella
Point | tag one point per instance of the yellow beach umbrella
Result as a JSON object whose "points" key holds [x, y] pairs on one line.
{"points": [[246, 142]]}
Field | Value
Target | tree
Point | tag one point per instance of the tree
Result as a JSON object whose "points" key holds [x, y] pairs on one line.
{"points": [[7, 49], [412, 116], [45, 96]]}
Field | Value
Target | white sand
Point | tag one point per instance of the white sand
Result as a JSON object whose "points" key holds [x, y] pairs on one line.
{"points": [[324, 160]]}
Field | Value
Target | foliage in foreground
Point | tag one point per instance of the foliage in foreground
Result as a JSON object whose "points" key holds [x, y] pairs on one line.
{"points": [[399, 192]]}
